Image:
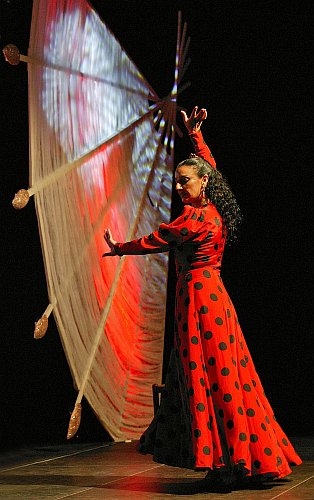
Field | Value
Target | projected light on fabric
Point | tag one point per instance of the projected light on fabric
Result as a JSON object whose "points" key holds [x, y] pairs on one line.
{"points": [[101, 156]]}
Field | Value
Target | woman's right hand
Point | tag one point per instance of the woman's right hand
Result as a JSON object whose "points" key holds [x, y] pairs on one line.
{"points": [[111, 244], [194, 122]]}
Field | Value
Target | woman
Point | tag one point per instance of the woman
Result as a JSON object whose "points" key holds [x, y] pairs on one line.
{"points": [[213, 414]]}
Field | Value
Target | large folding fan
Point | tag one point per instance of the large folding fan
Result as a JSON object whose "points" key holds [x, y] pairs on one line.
{"points": [[101, 155]]}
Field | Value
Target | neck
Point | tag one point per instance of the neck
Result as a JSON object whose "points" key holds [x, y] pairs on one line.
{"points": [[200, 203]]}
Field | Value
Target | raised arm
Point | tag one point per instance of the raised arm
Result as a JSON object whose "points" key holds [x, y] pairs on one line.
{"points": [[193, 124]]}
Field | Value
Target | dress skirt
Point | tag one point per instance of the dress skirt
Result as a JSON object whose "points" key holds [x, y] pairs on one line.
{"points": [[213, 413]]}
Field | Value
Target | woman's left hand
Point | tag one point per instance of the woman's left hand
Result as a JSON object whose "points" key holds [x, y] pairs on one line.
{"points": [[195, 120], [111, 244]]}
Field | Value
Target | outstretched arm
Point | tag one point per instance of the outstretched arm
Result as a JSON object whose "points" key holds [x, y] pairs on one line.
{"points": [[193, 124], [189, 226]]}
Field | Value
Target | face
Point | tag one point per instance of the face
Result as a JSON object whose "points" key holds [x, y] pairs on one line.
{"points": [[189, 185]]}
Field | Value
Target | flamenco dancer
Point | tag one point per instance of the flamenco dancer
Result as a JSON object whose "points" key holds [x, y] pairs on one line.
{"points": [[213, 415]]}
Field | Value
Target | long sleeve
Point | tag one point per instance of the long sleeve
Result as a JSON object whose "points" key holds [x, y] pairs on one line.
{"points": [[188, 226], [201, 148]]}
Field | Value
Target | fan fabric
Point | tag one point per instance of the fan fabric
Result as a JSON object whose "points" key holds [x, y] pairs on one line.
{"points": [[97, 161]]}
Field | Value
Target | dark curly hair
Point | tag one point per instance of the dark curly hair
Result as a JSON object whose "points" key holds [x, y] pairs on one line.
{"points": [[219, 194]]}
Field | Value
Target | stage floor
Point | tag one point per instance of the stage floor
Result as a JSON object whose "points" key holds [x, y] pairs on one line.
{"points": [[117, 471]]}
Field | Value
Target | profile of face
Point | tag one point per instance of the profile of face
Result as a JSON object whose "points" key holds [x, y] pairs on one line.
{"points": [[189, 185]]}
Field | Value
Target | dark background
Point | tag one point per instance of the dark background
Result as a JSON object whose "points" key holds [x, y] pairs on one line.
{"points": [[250, 65]]}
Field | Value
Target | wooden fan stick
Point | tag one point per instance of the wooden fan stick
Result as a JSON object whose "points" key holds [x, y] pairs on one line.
{"points": [[22, 196], [12, 56], [76, 414]]}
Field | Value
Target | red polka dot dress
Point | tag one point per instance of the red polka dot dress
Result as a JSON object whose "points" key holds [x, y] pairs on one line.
{"points": [[213, 412]]}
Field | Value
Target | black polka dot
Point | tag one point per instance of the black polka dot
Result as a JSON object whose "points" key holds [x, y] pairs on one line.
{"points": [[230, 424], [187, 301], [206, 274], [219, 322], [206, 450], [237, 385], [254, 383], [217, 221], [279, 461], [188, 277], [253, 438], [242, 436], [267, 451], [200, 407], [257, 464], [246, 359], [214, 297], [181, 292], [221, 413], [197, 433], [222, 346], [194, 216], [216, 246], [211, 361], [198, 286], [204, 310], [185, 327], [201, 218], [215, 387], [208, 393], [184, 231], [179, 317], [208, 335], [267, 420], [228, 313], [194, 340], [250, 412], [243, 363], [285, 442], [220, 289], [184, 353], [227, 398], [191, 391], [202, 382], [240, 410], [247, 387], [192, 365], [263, 426], [225, 371], [231, 339]]}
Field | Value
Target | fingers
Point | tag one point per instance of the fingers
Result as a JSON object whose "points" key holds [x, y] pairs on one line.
{"points": [[184, 116], [109, 254], [108, 236], [194, 121], [202, 114]]}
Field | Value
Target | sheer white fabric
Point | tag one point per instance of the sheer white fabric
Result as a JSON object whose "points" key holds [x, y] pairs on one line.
{"points": [[95, 157]]}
